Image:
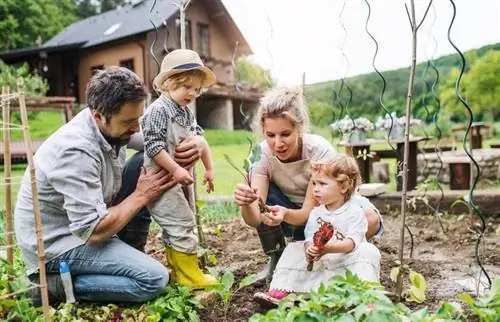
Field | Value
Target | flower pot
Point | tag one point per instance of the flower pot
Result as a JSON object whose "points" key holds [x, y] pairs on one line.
{"points": [[356, 136], [397, 132]]}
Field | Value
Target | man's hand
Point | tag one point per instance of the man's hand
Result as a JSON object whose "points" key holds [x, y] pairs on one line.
{"points": [[189, 151], [153, 183]]}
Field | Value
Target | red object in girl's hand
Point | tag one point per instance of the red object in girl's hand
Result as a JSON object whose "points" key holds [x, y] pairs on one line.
{"points": [[321, 237]]}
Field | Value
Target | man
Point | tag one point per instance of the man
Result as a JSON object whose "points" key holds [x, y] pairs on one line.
{"points": [[84, 205]]}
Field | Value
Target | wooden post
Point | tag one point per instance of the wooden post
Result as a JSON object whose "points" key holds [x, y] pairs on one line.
{"points": [[7, 173], [360, 153], [193, 195], [36, 206]]}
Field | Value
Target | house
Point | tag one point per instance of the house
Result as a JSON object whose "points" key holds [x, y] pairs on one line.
{"points": [[138, 36]]}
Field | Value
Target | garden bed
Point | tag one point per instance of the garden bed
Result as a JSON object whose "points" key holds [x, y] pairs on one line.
{"points": [[446, 260]]}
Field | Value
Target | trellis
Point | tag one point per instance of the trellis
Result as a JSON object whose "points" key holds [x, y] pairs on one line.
{"points": [[342, 103], [5, 102]]}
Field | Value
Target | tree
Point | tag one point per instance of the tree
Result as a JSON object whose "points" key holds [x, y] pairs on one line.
{"points": [[107, 5], [480, 86], [24, 21], [251, 73], [86, 8]]}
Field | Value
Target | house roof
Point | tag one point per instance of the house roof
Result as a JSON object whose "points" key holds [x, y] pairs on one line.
{"points": [[133, 19], [111, 25]]}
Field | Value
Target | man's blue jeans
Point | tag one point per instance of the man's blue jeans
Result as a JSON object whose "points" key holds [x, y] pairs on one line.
{"points": [[118, 270]]}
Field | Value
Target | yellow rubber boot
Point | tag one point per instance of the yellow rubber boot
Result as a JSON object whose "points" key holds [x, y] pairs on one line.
{"points": [[185, 270]]}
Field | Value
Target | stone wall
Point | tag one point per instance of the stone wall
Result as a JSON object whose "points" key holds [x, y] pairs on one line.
{"points": [[429, 165]]}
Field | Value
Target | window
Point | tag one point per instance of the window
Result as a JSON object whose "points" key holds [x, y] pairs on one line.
{"points": [[127, 63], [95, 68], [189, 40], [203, 40]]}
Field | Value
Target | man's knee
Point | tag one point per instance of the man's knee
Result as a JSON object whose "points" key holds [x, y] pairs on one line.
{"points": [[153, 282]]}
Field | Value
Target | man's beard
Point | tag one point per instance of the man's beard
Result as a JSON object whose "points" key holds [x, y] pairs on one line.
{"points": [[113, 141]]}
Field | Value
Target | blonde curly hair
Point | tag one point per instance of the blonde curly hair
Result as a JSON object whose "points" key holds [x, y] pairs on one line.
{"points": [[287, 102], [343, 169]]}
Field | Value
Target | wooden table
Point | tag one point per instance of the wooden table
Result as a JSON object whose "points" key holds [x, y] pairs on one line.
{"points": [[475, 137], [362, 148]]}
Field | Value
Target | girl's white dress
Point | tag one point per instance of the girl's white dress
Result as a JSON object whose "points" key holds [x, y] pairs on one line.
{"points": [[349, 221]]}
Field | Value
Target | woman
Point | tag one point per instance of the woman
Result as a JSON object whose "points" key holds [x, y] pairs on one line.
{"points": [[282, 175]]}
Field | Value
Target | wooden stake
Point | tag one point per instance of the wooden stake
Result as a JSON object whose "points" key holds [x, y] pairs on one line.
{"points": [[409, 100], [7, 173], [36, 206]]}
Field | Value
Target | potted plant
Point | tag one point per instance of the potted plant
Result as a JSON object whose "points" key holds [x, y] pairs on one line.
{"points": [[354, 130], [395, 126]]}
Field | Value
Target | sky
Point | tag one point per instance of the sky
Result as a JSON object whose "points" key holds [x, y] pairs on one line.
{"points": [[292, 37]]}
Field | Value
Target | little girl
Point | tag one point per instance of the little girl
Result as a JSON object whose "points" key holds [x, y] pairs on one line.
{"points": [[335, 181]]}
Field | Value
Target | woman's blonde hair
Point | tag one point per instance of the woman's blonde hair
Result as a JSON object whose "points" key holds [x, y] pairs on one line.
{"points": [[343, 169], [188, 77], [287, 102]]}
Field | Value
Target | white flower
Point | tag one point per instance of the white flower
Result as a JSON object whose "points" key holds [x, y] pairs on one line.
{"points": [[347, 125], [385, 123]]}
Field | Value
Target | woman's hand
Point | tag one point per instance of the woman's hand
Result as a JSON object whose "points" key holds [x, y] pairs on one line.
{"points": [[244, 195], [275, 217]]}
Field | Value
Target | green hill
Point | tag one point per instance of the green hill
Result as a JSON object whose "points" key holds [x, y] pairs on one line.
{"points": [[328, 100]]}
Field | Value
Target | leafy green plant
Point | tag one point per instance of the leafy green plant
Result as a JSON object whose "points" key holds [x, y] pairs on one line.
{"points": [[348, 298], [486, 308], [225, 286], [414, 290], [176, 303], [17, 307]]}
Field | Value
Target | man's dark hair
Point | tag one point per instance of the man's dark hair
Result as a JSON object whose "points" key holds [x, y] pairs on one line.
{"points": [[109, 89]]}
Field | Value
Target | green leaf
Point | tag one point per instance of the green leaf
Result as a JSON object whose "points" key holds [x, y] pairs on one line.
{"points": [[496, 286], [212, 259], [214, 272], [8, 303], [227, 280], [394, 274], [200, 203], [416, 294], [418, 281], [248, 280], [467, 299]]}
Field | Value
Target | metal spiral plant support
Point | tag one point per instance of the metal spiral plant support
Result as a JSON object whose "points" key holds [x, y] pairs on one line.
{"points": [[467, 149], [153, 43], [382, 78], [382, 104], [269, 78], [437, 102], [165, 39], [237, 84], [344, 108]]}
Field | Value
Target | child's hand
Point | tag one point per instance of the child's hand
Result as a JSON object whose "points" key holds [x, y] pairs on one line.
{"points": [[183, 176], [313, 253], [208, 180]]}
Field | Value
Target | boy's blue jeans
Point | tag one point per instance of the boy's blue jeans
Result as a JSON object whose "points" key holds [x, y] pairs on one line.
{"points": [[118, 270]]}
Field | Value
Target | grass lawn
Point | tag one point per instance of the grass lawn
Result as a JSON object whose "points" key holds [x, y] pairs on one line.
{"points": [[225, 176]]}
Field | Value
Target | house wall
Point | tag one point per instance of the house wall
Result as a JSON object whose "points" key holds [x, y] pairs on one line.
{"points": [[109, 55], [220, 48]]}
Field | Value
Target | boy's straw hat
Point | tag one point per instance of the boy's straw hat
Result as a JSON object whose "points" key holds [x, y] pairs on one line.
{"points": [[182, 60]]}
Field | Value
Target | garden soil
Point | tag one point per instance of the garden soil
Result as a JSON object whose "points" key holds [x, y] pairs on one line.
{"points": [[445, 259]]}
